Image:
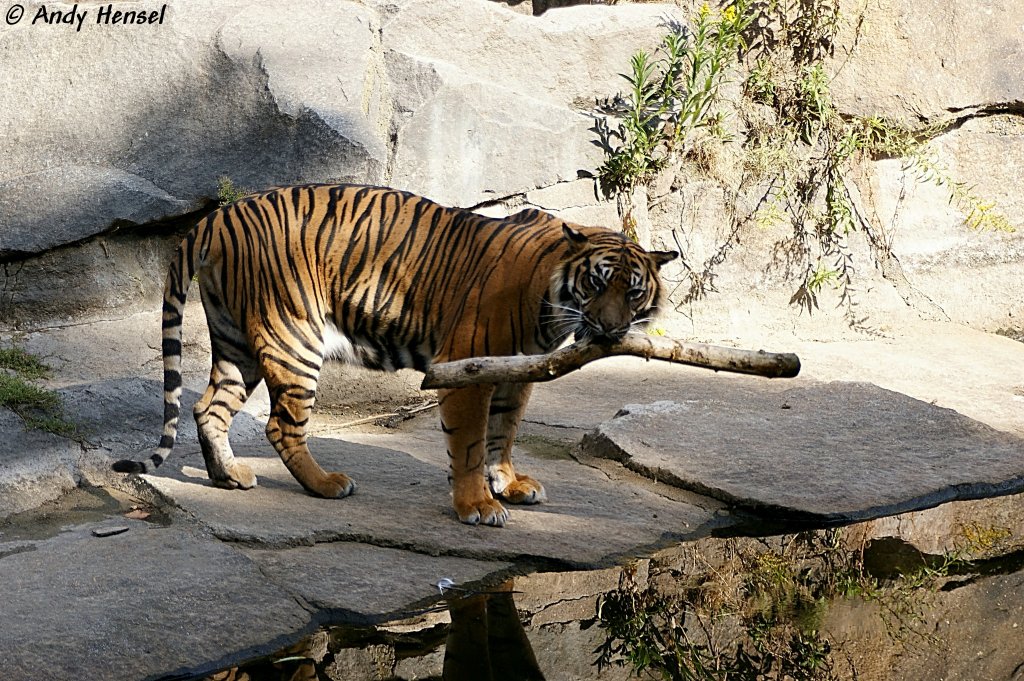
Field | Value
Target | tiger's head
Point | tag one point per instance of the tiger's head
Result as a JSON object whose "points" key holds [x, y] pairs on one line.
{"points": [[607, 286]]}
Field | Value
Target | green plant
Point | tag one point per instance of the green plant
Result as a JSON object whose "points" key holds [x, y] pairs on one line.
{"points": [[799, 148], [881, 138], [760, 84], [980, 213], [22, 363], [811, 108], [755, 609], [679, 639], [39, 408], [670, 95], [637, 148], [703, 63], [810, 27], [635, 634], [227, 192], [790, 654], [19, 396]]}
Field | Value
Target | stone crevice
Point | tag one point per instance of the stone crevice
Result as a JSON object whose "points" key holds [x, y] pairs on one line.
{"points": [[538, 422], [1013, 108], [282, 585], [961, 115], [327, 538]]}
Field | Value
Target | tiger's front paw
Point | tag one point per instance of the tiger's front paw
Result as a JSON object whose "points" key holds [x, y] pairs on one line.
{"points": [[482, 512], [522, 490]]}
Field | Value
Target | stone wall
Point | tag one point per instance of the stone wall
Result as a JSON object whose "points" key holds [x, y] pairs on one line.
{"points": [[936, 60], [112, 133], [116, 128]]}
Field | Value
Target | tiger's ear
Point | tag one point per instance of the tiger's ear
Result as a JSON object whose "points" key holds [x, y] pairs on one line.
{"points": [[577, 239], [662, 257]]}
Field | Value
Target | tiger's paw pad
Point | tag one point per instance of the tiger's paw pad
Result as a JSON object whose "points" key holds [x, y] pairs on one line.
{"points": [[524, 490], [485, 512], [335, 486], [238, 476]]}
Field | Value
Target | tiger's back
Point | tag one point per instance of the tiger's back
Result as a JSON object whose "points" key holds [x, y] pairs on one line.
{"points": [[404, 281], [387, 279]]}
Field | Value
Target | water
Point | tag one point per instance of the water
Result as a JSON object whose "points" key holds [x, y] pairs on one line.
{"points": [[79, 506], [472, 633], [792, 606], [476, 636]]}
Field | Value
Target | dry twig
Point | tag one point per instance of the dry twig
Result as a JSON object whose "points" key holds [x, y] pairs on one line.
{"points": [[536, 368]]}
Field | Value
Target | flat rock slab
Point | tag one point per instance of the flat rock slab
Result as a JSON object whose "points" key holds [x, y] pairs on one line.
{"points": [[831, 452], [147, 602], [169, 600], [402, 500], [359, 583]]}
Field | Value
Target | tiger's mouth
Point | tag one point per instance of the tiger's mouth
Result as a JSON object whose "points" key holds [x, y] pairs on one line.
{"points": [[592, 332]]}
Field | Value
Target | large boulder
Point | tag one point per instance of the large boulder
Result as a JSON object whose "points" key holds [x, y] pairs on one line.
{"points": [[972, 275], [120, 126], [126, 125], [927, 59], [120, 130], [479, 105], [491, 102]]}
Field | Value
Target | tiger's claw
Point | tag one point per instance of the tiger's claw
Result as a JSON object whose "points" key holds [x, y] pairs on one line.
{"points": [[485, 512], [333, 486], [522, 489]]}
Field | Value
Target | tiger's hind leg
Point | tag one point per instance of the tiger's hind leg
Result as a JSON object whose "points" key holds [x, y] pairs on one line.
{"points": [[506, 411], [292, 381], [231, 384]]}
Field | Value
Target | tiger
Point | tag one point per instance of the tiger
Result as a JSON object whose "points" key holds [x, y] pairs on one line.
{"points": [[294, 276]]}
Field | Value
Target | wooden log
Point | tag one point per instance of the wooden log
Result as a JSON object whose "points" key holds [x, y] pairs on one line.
{"points": [[537, 368]]}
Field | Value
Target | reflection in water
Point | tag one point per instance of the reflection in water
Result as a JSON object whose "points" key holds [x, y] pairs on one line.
{"points": [[484, 642]]}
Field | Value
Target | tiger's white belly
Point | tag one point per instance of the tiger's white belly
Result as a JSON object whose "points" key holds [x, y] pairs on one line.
{"points": [[338, 346]]}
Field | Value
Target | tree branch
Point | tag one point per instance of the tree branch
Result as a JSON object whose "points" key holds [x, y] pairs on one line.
{"points": [[537, 368]]}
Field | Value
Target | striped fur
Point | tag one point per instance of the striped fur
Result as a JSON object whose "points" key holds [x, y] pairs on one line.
{"points": [[298, 275]]}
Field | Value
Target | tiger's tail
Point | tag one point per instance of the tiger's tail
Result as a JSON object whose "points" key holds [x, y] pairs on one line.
{"points": [[179, 278]]}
